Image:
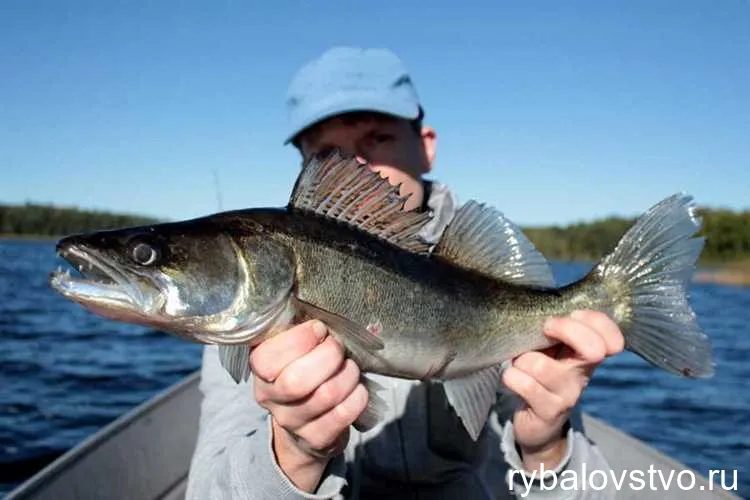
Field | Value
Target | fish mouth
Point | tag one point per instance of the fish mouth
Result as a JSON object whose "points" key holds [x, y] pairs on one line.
{"points": [[100, 280]]}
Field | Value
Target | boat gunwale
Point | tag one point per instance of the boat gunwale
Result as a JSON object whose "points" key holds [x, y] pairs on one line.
{"points": [[70, 458]]}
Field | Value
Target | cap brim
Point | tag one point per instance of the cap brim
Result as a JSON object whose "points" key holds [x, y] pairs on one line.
{"points": [[407, 110]]}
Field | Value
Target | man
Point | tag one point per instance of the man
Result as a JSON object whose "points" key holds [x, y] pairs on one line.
{"points": [[287, 433]]}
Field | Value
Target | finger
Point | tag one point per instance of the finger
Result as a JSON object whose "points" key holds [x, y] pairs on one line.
{"points": [[587, 343], [558, 377], [337, 447], [558, 351], [326, 397], [542, 402], [303, 375], [323, 432], [603, 324], [543, 368], [268, 359]]}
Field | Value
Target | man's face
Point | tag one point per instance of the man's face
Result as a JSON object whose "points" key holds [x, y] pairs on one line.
{"points": [[389, 145]]}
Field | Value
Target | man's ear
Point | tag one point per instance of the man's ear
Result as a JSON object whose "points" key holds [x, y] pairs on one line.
{"points": [[429, 142]]}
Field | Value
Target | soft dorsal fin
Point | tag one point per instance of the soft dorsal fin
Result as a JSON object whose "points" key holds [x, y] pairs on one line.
{"points": [[482, 239], [345, 190]]}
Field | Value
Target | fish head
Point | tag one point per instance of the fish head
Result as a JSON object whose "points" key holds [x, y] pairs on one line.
{"points": [[192, 280]]}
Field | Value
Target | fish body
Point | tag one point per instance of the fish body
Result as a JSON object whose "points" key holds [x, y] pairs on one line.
{"points": [[344, 251], [435, 319]]}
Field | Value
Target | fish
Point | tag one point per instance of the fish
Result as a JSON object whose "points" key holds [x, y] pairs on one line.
{"points": [[345, 251]]}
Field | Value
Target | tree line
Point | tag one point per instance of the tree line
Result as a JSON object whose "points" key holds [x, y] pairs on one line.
{"points": [[727, 232], [46, 220]]}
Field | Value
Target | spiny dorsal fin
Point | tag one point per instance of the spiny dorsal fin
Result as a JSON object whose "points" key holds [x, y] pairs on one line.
{"points": [[345, 190], [482, 239]]}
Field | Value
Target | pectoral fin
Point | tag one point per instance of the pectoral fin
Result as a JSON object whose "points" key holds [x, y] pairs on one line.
{"points": [[358, 341]]}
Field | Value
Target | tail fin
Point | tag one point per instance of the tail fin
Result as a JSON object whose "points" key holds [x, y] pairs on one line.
{"points": [[654, 261]]}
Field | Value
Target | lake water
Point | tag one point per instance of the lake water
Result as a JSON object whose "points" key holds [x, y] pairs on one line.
{"points": [[65, 373]]}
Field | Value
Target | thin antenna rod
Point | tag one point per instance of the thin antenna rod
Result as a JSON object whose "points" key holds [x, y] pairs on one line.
{"points": [[218, 189]]}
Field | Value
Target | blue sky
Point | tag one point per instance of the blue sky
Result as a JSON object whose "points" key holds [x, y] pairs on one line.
{"points": [[552, 111]]}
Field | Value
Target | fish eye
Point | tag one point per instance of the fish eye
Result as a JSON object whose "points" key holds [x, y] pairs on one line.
{"points": [[144, 254]]}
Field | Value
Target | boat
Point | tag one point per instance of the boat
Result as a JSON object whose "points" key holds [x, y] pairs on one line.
{"points": [[146, 453]]}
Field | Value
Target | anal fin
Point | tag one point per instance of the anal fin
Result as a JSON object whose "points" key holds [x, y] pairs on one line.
{"points": [[472, 397]]}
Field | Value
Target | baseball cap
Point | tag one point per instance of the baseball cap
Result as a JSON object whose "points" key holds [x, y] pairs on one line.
{"points": [[347, 79]]}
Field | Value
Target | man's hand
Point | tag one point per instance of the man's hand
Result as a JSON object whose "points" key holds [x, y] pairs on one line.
{"points": [[551, 382], [313, 394]]}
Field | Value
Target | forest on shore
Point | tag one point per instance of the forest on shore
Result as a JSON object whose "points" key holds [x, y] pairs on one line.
{"points": [[727, 232], [48, 221]]}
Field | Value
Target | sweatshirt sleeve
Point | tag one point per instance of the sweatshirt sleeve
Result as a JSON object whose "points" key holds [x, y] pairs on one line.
{"points": [[580, 459], [234, 457]]}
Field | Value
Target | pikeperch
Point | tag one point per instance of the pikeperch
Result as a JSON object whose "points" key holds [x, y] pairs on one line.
{"points": [[344, 251]]}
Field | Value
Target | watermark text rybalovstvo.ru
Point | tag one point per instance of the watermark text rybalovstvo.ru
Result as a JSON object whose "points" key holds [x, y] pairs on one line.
{"points": [[597, 480]]}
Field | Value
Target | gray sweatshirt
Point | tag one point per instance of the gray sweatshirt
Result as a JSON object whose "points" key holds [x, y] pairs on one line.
{"points": [[419, 450]]}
